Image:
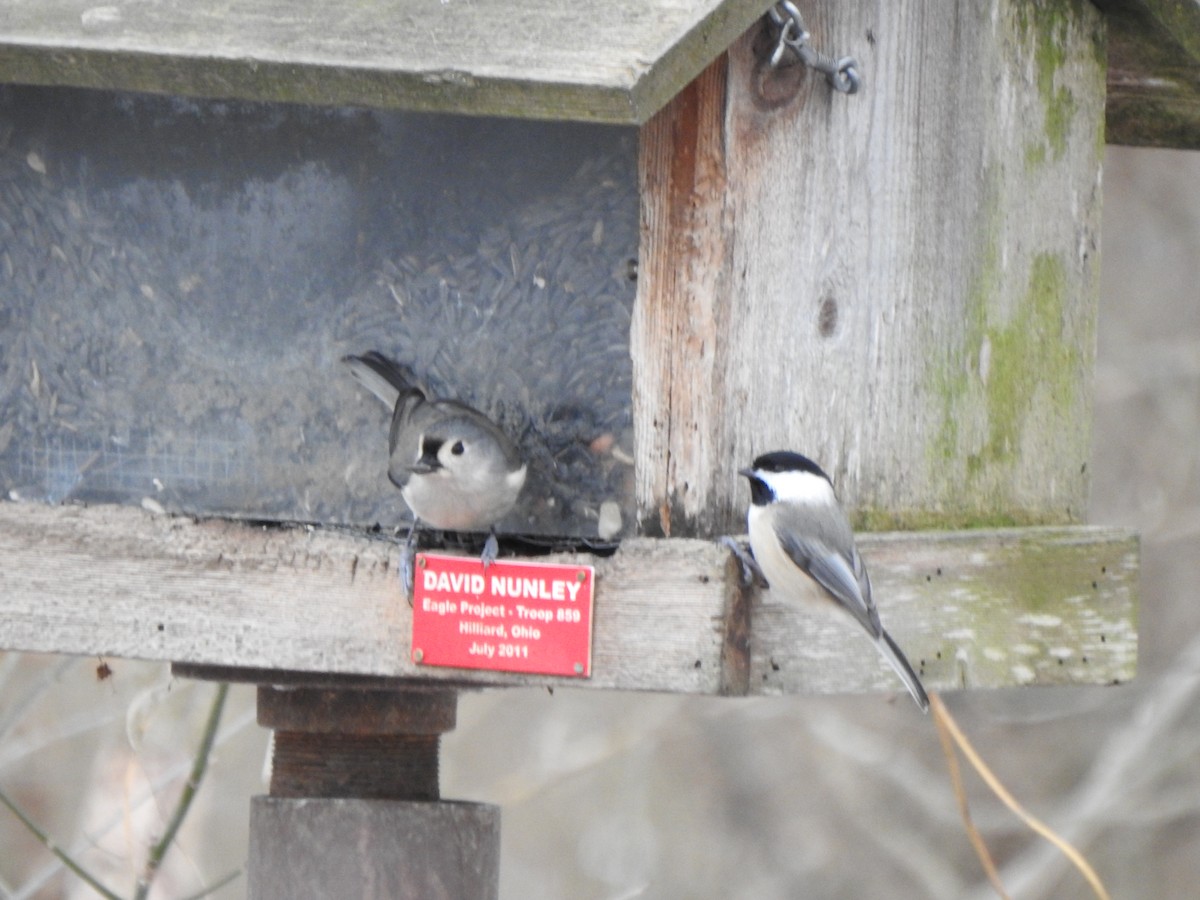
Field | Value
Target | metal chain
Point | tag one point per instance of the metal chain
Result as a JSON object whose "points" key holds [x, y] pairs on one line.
{"points": [[841, 73]]}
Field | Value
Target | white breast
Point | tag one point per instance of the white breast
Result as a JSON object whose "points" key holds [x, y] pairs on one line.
{"points": [[789, 583]]}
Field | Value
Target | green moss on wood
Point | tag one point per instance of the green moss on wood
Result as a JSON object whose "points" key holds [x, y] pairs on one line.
{"points": [[1035, 612], [1058, 101], [1028, 354], [1035, 155], [1046, 28], [952, 380], [875, 520], [1014, 369], [1015, 379]]}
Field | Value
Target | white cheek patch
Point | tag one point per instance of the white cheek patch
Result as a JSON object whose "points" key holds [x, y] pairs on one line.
{"points": [[446, 454], [515, 480], [799, 487]]}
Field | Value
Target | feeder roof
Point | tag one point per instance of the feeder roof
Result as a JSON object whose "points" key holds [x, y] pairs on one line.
{"points": [[618, 61]]}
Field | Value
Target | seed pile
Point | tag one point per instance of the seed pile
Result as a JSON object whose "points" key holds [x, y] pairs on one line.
{"points": [[180, 279]]}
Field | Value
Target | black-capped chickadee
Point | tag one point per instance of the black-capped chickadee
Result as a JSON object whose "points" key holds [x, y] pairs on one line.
{"points": [[456, 470], [798, 530]]}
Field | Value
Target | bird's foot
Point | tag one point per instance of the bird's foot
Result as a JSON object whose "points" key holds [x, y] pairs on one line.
{"points": [[491, 549], [408, 558], [750, 568]]}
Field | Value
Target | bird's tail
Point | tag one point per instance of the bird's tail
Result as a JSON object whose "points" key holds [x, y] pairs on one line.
{"points": [[896, 659], [385, 379]]}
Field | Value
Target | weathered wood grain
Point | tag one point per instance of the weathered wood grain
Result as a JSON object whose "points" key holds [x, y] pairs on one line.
{"points": [[971, 609], [683, 306], [980, 609], [900, 283], [610, 62], [118, 581]]}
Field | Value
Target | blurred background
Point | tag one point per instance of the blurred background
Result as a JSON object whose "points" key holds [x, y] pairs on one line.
{"points": [[612, 796]]}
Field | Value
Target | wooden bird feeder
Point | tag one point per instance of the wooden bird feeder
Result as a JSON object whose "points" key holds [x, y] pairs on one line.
{"points": [[647, 252]]}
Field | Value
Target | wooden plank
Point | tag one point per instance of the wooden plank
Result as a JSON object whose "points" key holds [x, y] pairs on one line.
{"points": [[984, 609], [1153, 73], [118, 581], [971, 609], [608, 62], [683, 309], [901, 283]]}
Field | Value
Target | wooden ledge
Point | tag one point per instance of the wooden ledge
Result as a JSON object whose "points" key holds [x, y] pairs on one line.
{"points": [[971, 609], [598, 62]]}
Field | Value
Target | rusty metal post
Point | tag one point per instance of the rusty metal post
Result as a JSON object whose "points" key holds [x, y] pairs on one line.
{"points": [[354, 808]]}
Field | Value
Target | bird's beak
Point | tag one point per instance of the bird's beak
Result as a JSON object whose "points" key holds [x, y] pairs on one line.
{"points": [[426, 464], [749, 473]]}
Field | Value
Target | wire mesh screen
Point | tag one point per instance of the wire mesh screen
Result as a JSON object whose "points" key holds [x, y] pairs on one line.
{"points": [[180, 279]]}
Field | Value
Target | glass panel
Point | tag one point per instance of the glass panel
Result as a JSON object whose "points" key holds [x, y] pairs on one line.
{"points": [[180, 279]]}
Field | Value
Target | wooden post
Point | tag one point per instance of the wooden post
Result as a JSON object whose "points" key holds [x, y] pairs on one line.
{"points": [[354, 808]]}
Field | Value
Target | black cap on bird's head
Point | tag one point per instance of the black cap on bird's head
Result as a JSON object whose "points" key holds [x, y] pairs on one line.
{"points": [[786, 461], [761, 492]]}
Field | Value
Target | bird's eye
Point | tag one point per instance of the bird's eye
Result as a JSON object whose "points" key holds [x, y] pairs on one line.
{"points": [[458, 448]]}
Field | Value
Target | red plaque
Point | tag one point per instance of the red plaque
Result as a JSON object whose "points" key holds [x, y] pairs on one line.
{"points": [[511, 617]]}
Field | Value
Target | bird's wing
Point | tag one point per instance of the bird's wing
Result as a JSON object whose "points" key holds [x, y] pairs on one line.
{"points": [[845, 579], [404, 437]]}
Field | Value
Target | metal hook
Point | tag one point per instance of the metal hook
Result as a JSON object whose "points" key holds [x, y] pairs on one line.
{"points": [[842, 74]]}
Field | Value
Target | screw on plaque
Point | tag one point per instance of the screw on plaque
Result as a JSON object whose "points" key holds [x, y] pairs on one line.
{"points": [[418, 655], [581, 576], [578, 668]]}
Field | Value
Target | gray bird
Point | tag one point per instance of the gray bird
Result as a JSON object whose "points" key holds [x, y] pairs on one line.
{"points": [[798, 530], [456, 470]]}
